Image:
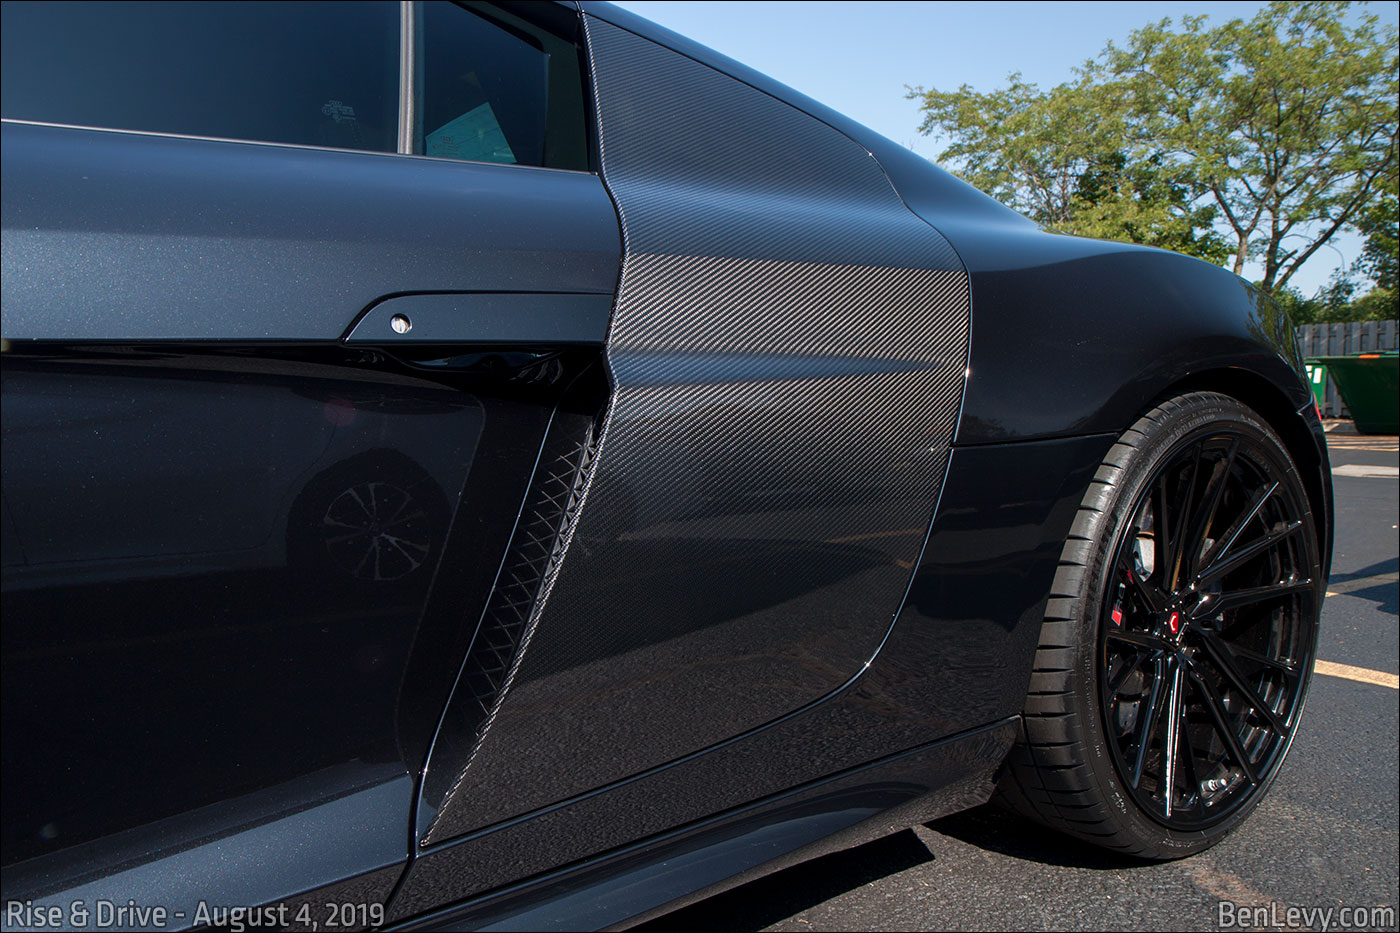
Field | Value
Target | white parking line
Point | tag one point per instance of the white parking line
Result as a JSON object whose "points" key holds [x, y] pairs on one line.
{"points": [[1359, 674], [1366, 471], [1342, 587]]}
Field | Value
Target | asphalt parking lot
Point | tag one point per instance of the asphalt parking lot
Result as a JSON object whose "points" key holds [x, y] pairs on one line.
{"points": [[1326, 837]]}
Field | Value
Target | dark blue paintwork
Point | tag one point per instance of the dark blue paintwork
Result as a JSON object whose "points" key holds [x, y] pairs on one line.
{"points": [[118, 236], [256, 845], [527, 318], [162, 614]]}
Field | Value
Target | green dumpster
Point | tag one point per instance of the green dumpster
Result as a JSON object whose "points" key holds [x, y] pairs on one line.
{"points": [[1370, 387], [1317, 378]]}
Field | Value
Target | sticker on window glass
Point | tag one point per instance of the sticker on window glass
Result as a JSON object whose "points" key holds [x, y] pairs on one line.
{"points": [[339, 112], [342, 130], [475, 136]]}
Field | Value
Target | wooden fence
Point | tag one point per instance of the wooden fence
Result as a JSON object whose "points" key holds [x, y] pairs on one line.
{"points": [[1344, 340]]}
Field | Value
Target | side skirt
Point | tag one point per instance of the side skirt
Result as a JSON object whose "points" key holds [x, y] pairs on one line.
{"points": [[634, 883]]}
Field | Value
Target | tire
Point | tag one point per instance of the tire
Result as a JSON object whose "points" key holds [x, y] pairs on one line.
{"points": [[1172, 635]]}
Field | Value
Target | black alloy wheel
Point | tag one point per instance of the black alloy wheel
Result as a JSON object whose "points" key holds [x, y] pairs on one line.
{"points": [[1208, 628], [1171, 676]]}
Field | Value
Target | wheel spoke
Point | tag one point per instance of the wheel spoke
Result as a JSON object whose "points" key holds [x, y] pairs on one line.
{"points": [[405, 501], [1289, 668], [1225, 663], [378, 561], [366, 510], [1237, 599], [1139, 639], [1161, 530], [1151, 597], [1128, 670], [1204, 518], [398, 522], [402, 545], [1192, 778], [1178, 547], [370, 552], [1227, 565], [1172, 738], [1148, 717], [1218, 714], [1227, 540]]}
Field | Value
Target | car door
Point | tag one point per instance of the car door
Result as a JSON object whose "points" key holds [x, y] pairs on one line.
{"points": [[787, 358], [295, 297]]}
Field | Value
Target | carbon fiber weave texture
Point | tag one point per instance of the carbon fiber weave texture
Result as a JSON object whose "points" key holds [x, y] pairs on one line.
{"points": [[788, 352]]}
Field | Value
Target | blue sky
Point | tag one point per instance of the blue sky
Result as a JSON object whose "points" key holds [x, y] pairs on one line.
{"points": [[858, 56]]}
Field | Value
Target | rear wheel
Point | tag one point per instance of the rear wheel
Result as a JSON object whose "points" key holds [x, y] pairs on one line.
{"points": [[1178, 640]]}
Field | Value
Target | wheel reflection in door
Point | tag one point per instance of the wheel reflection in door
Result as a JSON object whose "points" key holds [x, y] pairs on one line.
{"points": [[377, 531], [376, 517]]}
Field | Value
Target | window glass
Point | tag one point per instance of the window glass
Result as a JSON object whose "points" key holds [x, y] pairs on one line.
{"points": [[498, 89], [311, 73]]}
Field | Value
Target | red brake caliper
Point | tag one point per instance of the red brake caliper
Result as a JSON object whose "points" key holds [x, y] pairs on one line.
{"points": [[1117, 613]]}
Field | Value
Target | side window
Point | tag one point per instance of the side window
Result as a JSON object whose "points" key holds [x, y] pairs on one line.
{"points": [[311, 73], [495, 88], [488, 85]]}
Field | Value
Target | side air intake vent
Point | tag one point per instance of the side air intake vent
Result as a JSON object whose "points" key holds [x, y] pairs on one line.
{"points": [[532, 559]]}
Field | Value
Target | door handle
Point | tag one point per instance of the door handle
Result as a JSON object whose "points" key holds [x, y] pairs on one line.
{"points": [[540, 318]]}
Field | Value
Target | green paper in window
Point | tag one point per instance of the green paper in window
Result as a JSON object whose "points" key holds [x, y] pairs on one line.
{"points": [[475, 135]]}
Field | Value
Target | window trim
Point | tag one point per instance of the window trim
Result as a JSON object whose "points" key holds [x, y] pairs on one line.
{"points": [[410, 73], [376, 153]]}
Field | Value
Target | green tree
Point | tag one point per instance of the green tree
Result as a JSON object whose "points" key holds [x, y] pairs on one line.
{"points": [[1289, 120], [1335, 303], [1380, 224], [1020, 144], [1059, 157], [1379, 304], [1279, 131], [1145, 202]]}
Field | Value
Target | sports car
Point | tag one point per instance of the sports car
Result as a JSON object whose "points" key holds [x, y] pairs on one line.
{"points": [[505, 465]]}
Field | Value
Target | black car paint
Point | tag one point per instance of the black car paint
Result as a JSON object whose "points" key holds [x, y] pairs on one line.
{"points": [[129, 255], [972, 618], [1131, 324], [688, 863]]}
